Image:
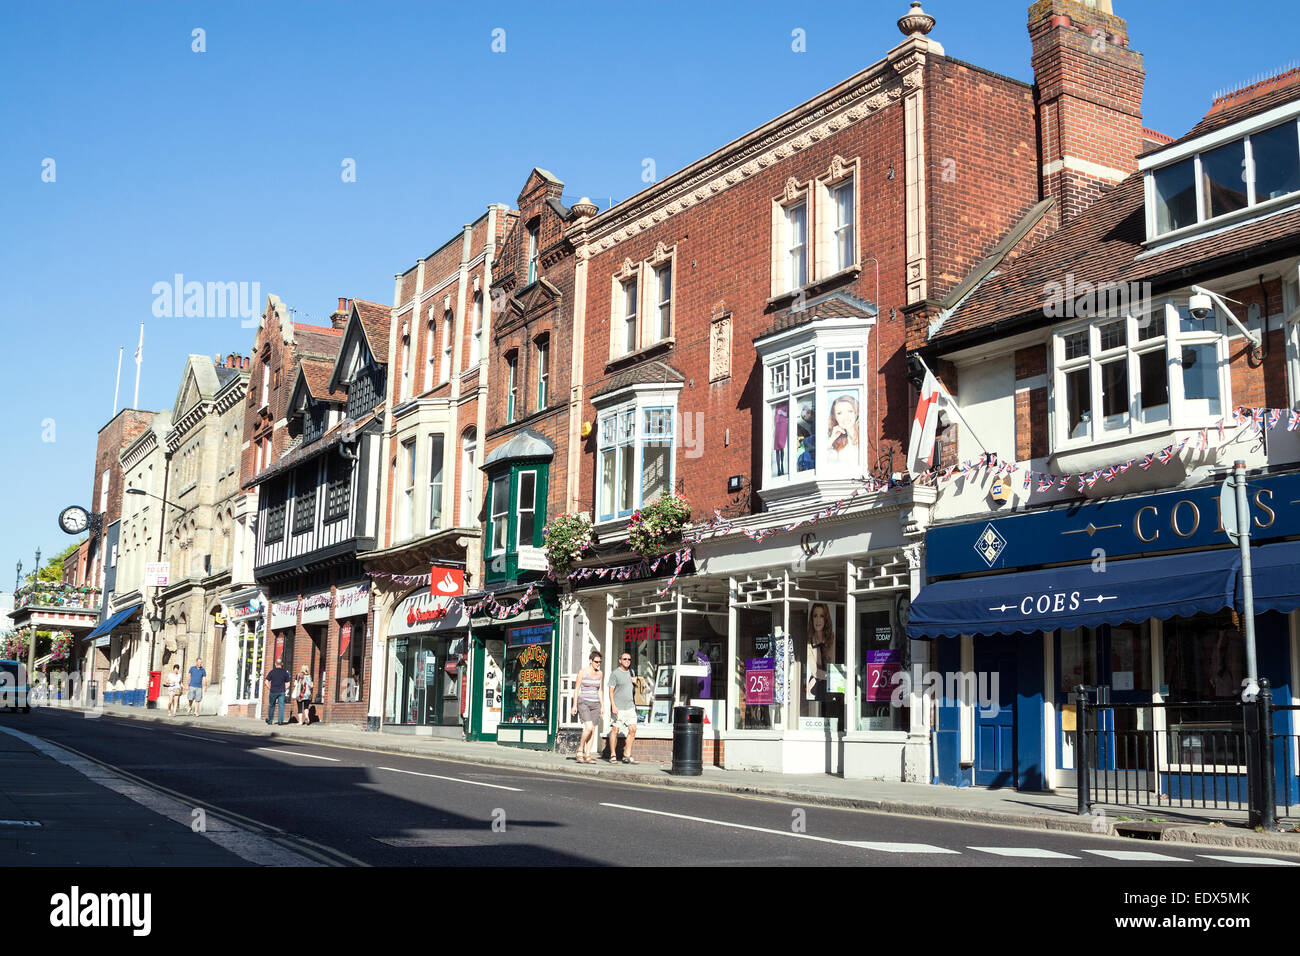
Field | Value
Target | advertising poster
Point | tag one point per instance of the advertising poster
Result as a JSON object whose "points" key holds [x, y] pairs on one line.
{"points": [[880, 670], [760, 681]]}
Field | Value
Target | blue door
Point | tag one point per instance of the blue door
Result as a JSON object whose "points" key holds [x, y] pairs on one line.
{"points": [[995, 726]]}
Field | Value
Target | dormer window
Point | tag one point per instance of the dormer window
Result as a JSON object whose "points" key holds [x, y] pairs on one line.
{"points": [[1224, 173]]}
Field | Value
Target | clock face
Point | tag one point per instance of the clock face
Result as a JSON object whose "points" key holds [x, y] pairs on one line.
{"points": [[74, 519]]}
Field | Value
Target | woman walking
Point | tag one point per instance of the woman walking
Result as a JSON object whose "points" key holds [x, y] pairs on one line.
{"points": [[587, 708], [302, 694], [173, 689]]}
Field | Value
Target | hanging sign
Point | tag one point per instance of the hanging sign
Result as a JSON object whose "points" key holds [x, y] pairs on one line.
{"points": [[446, 582], [157, 574]]}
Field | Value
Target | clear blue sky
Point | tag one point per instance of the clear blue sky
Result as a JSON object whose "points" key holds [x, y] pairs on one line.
{"points": [[225, 165]]}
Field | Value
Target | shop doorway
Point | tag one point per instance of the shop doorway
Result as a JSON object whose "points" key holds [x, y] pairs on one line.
{"points": [[995, 726]]}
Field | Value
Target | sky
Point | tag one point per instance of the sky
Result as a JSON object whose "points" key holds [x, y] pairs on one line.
{"points": [[312, 150]]}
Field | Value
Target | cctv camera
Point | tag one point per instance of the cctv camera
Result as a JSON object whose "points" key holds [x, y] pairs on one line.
{"points": [[1200, 306]]}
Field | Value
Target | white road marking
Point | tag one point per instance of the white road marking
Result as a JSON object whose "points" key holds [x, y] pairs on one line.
{"points": [[472, 783], [246, 844], [902, 847], [1260, 860], [1137, 855], [294, 753], [196, 737], [1023, 851], [886, 847]]}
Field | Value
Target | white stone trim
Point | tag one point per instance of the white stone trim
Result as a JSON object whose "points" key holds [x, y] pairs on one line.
{"points": [[1087, 167]]}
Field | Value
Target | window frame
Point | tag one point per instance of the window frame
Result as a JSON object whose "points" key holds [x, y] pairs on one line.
{"points": [[512, 386], [437, 481], [543, 347], [304, 502], [499, 520], [448, 340], [407, 463], [1173, 341], [636, 403], [1236, 133], [476, 333], [518, 509], [533, 229], [468, 472]]}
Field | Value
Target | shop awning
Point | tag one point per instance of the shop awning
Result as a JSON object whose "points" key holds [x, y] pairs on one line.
{"points": [[118, 619], [1275, 576], [1176, 585]]}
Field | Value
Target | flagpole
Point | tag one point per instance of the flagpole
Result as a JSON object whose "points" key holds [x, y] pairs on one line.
{"points": [[952, 403], [139, 353], [118, 384]]}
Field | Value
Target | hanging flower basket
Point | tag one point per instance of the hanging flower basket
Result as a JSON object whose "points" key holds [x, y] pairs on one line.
{"points": [[564, 540], [61, 647], [13, 645], [650, 529]]}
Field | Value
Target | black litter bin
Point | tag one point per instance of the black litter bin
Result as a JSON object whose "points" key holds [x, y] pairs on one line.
{"points": [[688, 741]]}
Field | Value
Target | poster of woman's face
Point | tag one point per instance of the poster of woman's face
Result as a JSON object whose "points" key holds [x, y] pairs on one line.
{"points": [[842, 428], [822, 648]]}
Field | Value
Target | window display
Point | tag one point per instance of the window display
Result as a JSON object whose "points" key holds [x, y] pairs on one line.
{"points": [[527, 674], [822, 649]]}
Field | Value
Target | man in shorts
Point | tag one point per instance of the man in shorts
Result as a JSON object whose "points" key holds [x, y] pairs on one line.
{"points": [[198, 677], [622, 705]]}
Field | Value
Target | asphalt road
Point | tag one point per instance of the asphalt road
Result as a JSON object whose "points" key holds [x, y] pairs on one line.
{"points": [[349, 806]]}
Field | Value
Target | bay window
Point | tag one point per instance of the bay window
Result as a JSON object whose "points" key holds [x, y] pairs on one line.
{"points": [[1122, 376], [634, 459], [500, 510], [814, 393]]}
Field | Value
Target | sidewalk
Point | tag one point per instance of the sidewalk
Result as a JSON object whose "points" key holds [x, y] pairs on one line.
{"points": [[1043, 811], [52, 814]]}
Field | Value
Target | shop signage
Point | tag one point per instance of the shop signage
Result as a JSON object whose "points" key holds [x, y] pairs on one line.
{"points": [[345, 638], [283, 614], [531, 559], [1142, 524], [527, 674], [316, 607], [352, 601], [157, 574], [446, 582], [880, 670], [649, 632], [423, 613], [248, 609], [760, 681]]}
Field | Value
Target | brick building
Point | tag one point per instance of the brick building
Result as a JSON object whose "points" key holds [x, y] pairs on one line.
{"points": [[280, 345], [1106, 380], [429, 498]]}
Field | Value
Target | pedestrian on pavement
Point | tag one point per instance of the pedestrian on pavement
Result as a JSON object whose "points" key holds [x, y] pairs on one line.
{"points": [[277, 681], [587, 708], [622, 705], [198, 678], [302, 694], [174, 689]]}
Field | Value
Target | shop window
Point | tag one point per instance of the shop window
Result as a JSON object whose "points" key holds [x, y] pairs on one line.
{"points": [[248, 663], [1204, 661], [761, 657], [424, 680], [352, 646], [818, 675], [883, 649], [526, 673], [652, 645]]}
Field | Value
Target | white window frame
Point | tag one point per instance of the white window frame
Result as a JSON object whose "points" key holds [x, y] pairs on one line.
{"points": [[437, 480], [614, 409], [499, 520], [448, 340], [534, 252], [519, 508], [407, 373], [1180, 416], [407, 516], [431, 330], [476, 338], [827, 263], [1241, 131], [629, 313], [817, 342], [512, 387], [543, 371], [794, 194], [468, 473]]}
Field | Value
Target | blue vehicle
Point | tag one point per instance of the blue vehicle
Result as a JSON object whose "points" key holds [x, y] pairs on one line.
{"points": [[13, 686]]}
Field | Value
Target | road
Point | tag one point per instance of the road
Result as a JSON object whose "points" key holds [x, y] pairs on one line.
{"points": [[348, 806]]}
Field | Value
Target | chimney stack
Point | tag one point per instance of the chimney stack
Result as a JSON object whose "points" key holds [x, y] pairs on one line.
{"points": [[1088, 85], [339, 317]]}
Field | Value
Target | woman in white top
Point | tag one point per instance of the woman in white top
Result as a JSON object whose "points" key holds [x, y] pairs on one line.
{"points": [[173, 687]]}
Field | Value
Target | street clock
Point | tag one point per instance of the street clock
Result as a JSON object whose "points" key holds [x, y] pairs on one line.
{"points": [[74, 519]]}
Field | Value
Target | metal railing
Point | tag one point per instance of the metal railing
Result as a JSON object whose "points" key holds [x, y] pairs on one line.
{"points": [[1196, 755]]}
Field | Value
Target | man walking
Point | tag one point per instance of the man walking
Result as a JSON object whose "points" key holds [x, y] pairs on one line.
{"points": [[277, 681], [198, 677], [622, 705]]}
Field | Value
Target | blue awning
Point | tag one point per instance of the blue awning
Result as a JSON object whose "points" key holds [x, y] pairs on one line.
{"points": [[1275, 576], [121, 617], [1176, 585]]}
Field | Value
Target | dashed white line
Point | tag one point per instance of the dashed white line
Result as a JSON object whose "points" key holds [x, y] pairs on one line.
{"points": [[215, 740], [1258, 860], [1023, 851], [472, 783], [295, 753], [1137, 855], [900, 847]]}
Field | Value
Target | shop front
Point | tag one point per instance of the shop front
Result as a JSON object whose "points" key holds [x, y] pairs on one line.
{"points": [[428, 661], [514, 685], [245, 650], [1141, 596]]}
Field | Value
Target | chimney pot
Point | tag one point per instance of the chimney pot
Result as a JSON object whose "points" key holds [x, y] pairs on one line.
{"points": [[341, 303]]}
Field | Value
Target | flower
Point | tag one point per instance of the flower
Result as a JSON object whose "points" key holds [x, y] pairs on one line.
{"points": [[649, 529], [566, 537]]}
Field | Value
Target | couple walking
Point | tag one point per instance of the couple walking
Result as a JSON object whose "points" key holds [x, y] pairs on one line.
{"points": [[277, 681], [622, 707]]}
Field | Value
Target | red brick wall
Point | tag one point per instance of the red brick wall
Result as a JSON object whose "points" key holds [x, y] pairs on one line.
{"points": [[1259, 384]]}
